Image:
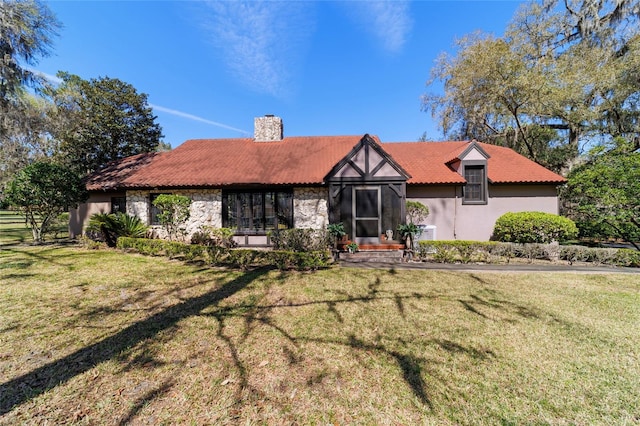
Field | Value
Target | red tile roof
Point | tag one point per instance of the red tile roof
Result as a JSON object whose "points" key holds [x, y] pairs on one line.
{"points": [[302, 160], [114, 174], [427, 163]]}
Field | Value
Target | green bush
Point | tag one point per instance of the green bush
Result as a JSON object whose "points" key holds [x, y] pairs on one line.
{"points": [[108, 227], [174, 213], [628, 257], [212, 236], [143, 245], [457, 251], [534, 227], [301, 240], [492, 252], [59, 225], [222, 256]]}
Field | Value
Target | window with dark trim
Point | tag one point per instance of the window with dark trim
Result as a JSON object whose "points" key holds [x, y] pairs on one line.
{"points": [[475, 189], [257, 211], [153, 210], [118, 204]]}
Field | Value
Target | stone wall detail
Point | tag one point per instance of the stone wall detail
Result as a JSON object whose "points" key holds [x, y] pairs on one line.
{"points": [[310, 208], [268, 129], [138, 205], [206, 207]]}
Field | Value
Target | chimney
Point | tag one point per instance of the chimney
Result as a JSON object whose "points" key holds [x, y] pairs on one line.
{"points": [[268, 129]]}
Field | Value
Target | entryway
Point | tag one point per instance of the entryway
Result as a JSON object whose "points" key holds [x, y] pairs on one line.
{"points": [[367, 212]]}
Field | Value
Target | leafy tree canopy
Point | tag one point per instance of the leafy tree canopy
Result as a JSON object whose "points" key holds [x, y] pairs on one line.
{"points": [[104, 119], [43, 190], [565, 74], [28, 138], [603, 195], [27, 30]]}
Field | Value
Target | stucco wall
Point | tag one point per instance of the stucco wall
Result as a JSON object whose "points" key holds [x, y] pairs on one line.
{"points": [[310, 208], [97, 203], [454, 220]]}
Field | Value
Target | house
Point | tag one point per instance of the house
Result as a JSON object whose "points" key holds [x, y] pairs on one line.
{"points": [[269, 182]]}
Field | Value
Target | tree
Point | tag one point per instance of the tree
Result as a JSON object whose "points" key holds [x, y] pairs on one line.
{"points": [[43, 190], [564, 75], [416, 212], [174, 212], [104, 119], [28, 139], [603, 195], [27, 29]]}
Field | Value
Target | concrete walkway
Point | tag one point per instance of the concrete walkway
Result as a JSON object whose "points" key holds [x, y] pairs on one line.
{"points": [[512, 267]]}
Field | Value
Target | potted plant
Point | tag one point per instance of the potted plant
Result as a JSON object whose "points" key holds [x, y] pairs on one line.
{"points": [[352, 247], [336, 230], [408, 233], [416, 212]]}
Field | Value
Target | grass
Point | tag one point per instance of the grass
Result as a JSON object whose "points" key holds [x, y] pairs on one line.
{"points": [[14, 230], [103, 337]]}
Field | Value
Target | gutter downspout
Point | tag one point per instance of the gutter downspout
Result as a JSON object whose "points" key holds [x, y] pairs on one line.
{"points": [[455, 211]]}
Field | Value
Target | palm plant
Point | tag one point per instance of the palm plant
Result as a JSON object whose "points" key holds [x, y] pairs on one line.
{"points": [[109, 227], [131, 226], [105, 227]]}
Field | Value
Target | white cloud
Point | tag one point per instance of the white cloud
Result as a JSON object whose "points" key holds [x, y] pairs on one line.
{"points": [[261, 42], [388, 21], [196, 118], [49, 77]]}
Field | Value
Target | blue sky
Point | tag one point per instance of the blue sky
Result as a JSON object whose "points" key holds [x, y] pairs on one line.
{"points": [[325, 67]]}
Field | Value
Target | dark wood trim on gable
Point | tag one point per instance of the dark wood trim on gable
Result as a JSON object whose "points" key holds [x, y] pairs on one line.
{"points": [[473, 145], [370, 171]]}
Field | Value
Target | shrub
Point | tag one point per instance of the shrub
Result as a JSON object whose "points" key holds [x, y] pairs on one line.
{"points": [[60, 224], [103, 227], [455, 251], [336, 232], [300, 240], [214, 237], [533, 227], [174, 212], [301, 261], [416, 212], [131, 226], [109, 227], [239, 258], [628, 257]]}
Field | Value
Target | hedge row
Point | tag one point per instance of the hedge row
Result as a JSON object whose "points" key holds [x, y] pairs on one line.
{"points": [[495, 252], [222, 256]]}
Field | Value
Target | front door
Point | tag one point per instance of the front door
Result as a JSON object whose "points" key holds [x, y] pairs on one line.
{"points": [[366, 214]]}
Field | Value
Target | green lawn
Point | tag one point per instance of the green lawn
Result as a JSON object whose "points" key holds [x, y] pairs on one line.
{"points": [[14, 230], [103, 337]]}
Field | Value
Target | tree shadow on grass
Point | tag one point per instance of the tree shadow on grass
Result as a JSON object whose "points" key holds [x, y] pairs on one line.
{"points": [[412, 367], [476, 304], [30, 385]]}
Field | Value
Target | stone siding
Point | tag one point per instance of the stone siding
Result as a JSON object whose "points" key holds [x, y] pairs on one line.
{"points": [[138, 205], [206, 207], [268, 129], [310, 208]]}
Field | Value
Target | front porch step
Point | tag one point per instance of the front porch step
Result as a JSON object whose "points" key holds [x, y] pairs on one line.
{"points": [[387, 256]]}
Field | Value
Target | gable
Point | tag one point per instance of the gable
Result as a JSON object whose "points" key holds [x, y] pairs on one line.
{"points": [[367, 161], [474, 153]]}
